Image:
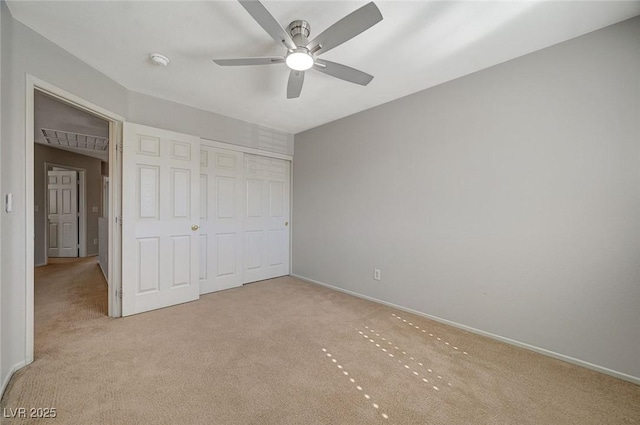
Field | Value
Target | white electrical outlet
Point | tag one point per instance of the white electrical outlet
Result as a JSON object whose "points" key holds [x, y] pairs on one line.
{"points": [[376, 274], [95, 242], [94, 209]]}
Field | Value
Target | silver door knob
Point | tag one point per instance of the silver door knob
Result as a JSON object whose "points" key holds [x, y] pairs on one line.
{"points": [[286, 223], [195, 227]]}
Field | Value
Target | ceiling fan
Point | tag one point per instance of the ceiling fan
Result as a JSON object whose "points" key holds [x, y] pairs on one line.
{"points": [[302, 54]]}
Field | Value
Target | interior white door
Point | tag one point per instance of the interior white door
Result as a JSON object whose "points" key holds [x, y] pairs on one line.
{"points": [[221, 206], [266, 221], [62, 212], [160, 237]]}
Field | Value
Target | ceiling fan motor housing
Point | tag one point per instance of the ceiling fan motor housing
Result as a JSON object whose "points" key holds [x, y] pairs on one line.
{"points": [[300, 31]]}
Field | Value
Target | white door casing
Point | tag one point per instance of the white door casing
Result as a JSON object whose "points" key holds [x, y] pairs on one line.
{"points": [[160, 237], [62, 213], [221, 207], [266, 218]]}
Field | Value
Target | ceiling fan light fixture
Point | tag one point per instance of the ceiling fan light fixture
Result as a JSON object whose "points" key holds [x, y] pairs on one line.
{"points": [[300, 59]]}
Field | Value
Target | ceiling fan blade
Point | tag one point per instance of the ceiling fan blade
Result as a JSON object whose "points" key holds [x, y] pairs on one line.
{"points": [[343, 72], [346, 28], [249, 61], [294, 87], [268, 23]]}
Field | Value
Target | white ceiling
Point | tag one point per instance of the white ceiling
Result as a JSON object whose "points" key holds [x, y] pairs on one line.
{"points": [[419, 44]]}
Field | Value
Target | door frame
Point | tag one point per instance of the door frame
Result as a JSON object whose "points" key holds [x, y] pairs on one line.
{"points": [[82, 209], [115, 196]]}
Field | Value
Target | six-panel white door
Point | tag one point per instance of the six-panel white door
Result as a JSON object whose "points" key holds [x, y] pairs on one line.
{"points": [[221, 206], [160, 238], [62, 213], [266, 221]]}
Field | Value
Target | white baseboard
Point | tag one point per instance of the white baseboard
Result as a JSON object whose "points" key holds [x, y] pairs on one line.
{"points": [[40, 264], [6, 380], [572, 360]]}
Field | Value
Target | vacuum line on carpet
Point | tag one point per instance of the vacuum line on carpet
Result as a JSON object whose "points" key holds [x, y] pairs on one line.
{"points": [[425, 331], [353, 381], [368, 336]]}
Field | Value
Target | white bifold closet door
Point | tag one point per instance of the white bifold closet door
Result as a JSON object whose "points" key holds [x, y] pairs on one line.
{"points": [[266, 220], [244, 218], [160, 205], [221, 213]]}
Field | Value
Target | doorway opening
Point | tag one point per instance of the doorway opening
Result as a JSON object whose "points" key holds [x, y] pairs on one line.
{"points": [[70, 159], [73, 213]]}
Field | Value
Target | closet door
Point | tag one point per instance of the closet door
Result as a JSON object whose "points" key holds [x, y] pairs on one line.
{"points": [[266, 220], [221, 206]]}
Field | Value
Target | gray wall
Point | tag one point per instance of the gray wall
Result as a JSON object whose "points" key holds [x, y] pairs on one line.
{"points": [[93, 184], [25, 52], [161, 113], [507, 201]]}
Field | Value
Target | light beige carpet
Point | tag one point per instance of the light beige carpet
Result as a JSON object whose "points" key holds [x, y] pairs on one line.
{"points": [[287, 352]]}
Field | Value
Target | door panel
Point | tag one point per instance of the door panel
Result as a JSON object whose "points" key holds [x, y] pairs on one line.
{"points": [[227, 199], [148, 265], [227, 244], [221, 174], [276, 247], [181, 260], [203, 275], [53, 199], [53, 238], [253, 250], [254, 198], [276, 199], [160, 260], [147, 192], [180, 193], [66, 200], [266, 222], [62, 209]]}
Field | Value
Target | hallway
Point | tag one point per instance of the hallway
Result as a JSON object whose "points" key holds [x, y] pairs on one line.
{"points": [[69, 294]]}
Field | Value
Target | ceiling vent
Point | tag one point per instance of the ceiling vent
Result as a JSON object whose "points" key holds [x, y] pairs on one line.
{"points": [[67, 139]]}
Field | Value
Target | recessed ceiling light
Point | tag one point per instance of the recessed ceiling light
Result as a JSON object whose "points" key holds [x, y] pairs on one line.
{"points": [[158, 59]]}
